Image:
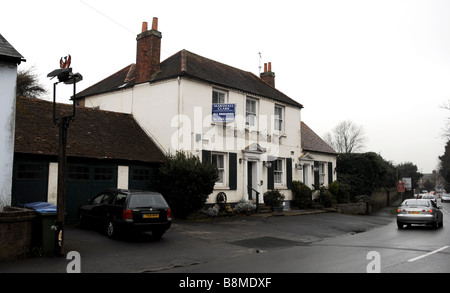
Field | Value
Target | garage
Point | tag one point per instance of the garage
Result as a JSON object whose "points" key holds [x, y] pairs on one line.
{"points": [[104, 150]]}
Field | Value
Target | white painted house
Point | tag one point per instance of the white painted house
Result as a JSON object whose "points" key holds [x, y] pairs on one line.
{"points": [[233, 118], [9, 60]]}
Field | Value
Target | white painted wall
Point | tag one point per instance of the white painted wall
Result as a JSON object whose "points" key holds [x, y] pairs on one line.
{"points": [[174, 112], [8, 77], [52, 191]]}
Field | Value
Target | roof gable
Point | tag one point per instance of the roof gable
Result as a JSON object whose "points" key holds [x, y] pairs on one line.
{"points": [[8, 53], [312, 142], [93, 134]]}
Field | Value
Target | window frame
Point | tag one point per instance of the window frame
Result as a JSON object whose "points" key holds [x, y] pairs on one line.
{"points": [[278, 173], [222, 169], [278, 119], [248, 113], [220, 92], [322, 172]]}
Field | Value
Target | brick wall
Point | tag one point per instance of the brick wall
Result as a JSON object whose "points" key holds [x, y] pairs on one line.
{"points": [[16, 232]]}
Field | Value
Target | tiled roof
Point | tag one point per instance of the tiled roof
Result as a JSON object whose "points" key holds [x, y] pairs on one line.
{"points": [[185, 63], [8, 53], [312, 142], [93, 133]]}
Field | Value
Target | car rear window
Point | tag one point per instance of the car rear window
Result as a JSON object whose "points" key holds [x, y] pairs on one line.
{"points": [[417, 202], [146, 200]]}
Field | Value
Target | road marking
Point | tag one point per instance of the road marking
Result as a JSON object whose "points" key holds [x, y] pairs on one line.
{"points": [[428, 254]]}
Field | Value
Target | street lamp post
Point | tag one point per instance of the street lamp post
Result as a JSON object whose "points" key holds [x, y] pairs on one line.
{"points": [[64, 75]]}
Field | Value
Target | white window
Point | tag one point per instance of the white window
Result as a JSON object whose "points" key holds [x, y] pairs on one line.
{"points": [[278, 171], [279, 118], [251, 114], [218, 160], [219, 97]]}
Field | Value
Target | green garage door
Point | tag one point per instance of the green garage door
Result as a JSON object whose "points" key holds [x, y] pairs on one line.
{"points": [[84, 181], [142, 177], [30, 182]]}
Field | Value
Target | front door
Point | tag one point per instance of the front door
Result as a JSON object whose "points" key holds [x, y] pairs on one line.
{"points": [[253, 179]]}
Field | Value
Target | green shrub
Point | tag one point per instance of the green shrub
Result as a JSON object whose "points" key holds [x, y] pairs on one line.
{"points": [[340, 191], [326, 198], [186, 183], [273, 198], [301, 194]]}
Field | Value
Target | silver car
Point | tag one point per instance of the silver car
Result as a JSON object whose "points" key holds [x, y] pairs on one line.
{"points": [[419, 211], [445, 197]]}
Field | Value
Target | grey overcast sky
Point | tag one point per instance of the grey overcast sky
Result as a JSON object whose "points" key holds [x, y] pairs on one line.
{"points": [[384, 64]]}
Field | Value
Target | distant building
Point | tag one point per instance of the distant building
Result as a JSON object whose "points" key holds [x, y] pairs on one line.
{"points": [[435, 178]]}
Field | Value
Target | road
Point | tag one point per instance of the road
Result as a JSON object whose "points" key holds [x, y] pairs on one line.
{"points": [[385, 249], [320, 243]]}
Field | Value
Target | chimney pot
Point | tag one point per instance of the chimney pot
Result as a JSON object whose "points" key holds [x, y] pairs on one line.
{"points": [[144, 26], [268, 76], [155, 24], [148, 52]]}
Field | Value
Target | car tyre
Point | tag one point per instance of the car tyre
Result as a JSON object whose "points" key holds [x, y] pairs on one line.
{"points": [[111, 229], [399, 225]]}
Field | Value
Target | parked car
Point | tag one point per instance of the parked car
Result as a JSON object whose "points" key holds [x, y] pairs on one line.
{"points": [[445, 197], [419, 211], [117, 211], [429, 196]]}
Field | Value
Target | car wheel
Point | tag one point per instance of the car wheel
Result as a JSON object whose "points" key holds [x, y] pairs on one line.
{"points": [[399, 225], [111, 228], [435, 225]]}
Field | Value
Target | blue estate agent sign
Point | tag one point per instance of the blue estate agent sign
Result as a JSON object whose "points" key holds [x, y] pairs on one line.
{"points": [[223, 112]]}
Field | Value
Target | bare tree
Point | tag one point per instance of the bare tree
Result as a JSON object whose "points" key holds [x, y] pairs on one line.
{"points": [[346, 137], [28, 85], [446, 129]]}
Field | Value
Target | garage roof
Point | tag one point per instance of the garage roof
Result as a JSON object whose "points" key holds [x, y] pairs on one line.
{"points": [[93, 134]]}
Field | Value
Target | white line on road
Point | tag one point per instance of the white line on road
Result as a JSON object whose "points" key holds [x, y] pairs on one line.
{"points": [[428, 254]]}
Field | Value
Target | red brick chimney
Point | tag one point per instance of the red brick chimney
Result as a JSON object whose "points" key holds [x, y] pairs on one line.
{"points": [[268, 76], [148, 52]]}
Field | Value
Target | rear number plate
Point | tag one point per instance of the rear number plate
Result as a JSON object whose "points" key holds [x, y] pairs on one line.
{"points": [[415, 213], [150, 216]]}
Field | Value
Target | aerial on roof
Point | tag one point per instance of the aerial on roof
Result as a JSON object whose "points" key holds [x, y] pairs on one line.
{"points": [[93, 134], [8, 53], [312, 142]]}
